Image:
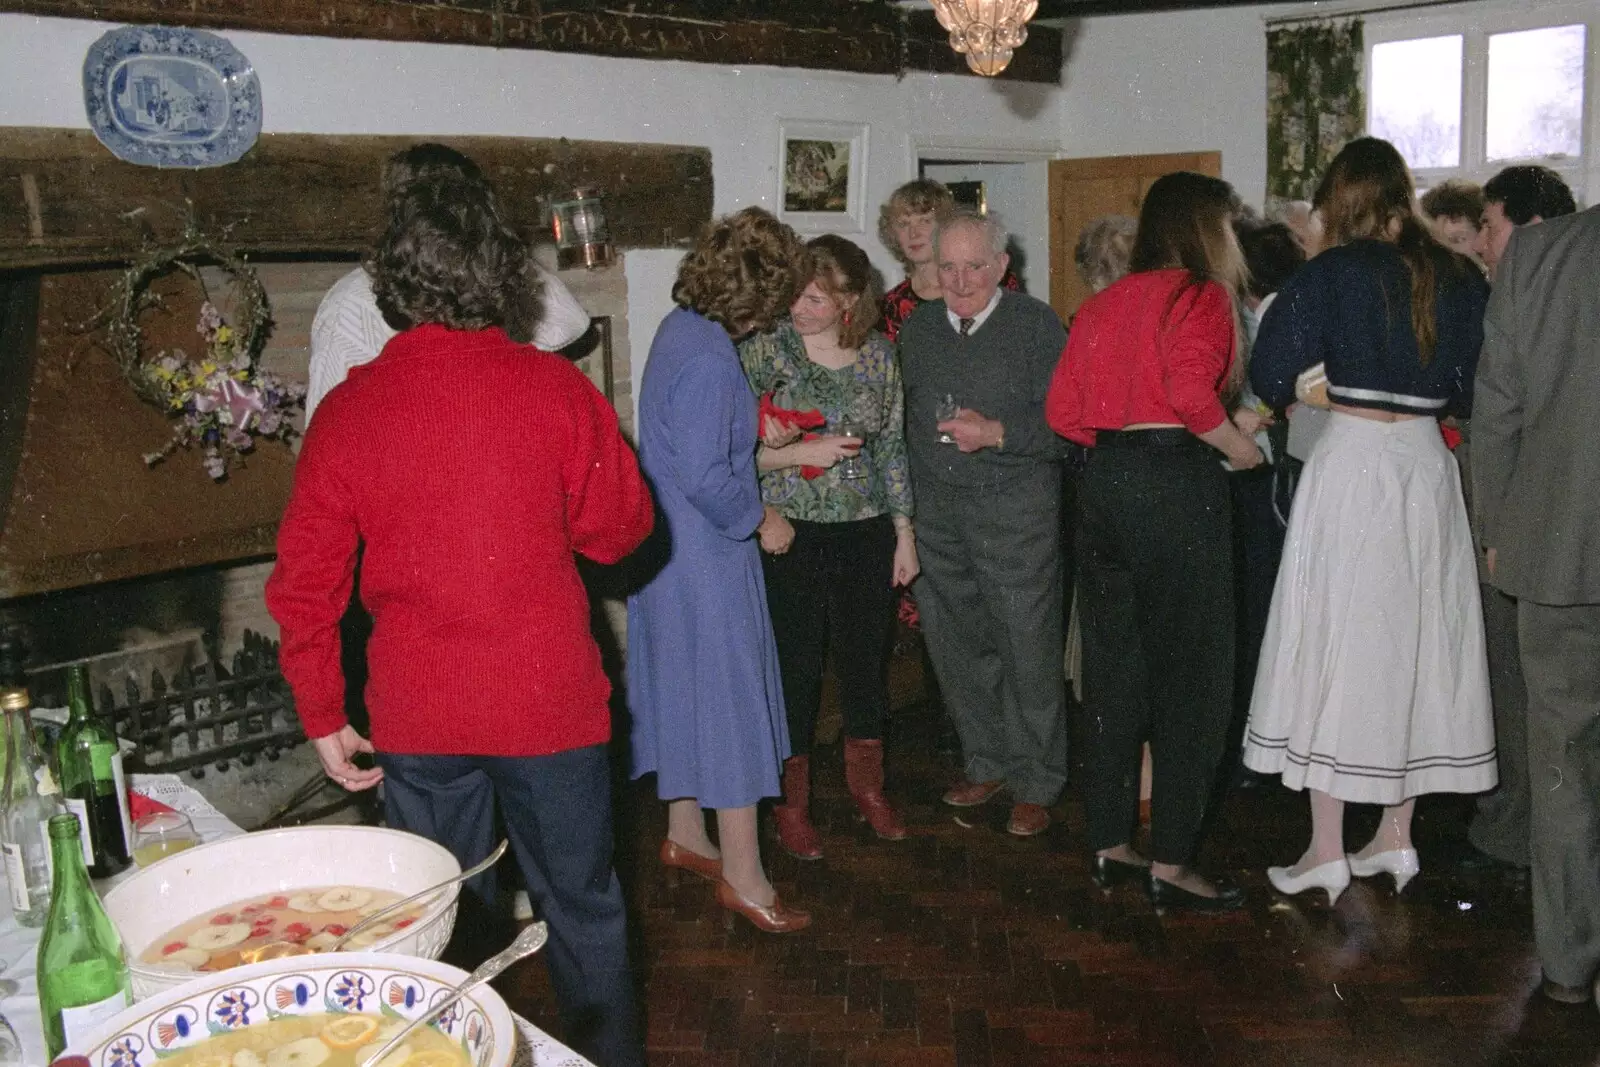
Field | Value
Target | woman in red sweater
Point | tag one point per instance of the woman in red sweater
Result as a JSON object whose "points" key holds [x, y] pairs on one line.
{"points": [[470, 469], [1142, 383]]}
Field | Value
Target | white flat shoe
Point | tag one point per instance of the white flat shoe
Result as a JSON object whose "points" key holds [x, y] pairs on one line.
{"points": [[1401, 864], [1333, 876]]}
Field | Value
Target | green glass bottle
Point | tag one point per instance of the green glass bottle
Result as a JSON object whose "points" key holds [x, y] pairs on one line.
{"points": [[83, 970], [28, 795], [92, 783]]}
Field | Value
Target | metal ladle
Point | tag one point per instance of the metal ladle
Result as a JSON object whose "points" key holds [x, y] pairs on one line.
{"points": [[527, 943], [372, 920]]}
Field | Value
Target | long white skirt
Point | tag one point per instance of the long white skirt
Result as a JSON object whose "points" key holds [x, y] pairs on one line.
{"points": [[1373, 686]]}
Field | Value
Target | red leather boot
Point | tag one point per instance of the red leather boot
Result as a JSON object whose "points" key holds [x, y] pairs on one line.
{"points": [[795, 832], [863, 773]]}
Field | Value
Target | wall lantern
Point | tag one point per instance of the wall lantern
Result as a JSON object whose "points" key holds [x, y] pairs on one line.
{"points": [[582, 235], [986, 31]]}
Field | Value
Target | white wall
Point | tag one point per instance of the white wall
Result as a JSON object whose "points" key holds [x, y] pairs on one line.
{"points": [[324, 85], [1020, 194], [1172, 82]]}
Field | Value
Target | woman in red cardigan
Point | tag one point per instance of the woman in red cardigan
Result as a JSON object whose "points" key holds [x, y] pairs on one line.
{"points": [[1142, 383], [469, 469]]}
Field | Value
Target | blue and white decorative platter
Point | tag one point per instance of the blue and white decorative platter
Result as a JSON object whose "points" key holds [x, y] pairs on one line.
{"points": [[393, 987], [164, 97]]}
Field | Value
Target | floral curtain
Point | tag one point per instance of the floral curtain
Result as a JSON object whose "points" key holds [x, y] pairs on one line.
{"points": [[1315, 102]]}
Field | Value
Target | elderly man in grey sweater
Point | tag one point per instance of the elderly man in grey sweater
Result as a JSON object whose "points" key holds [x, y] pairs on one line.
{"points": [[987, 473]]}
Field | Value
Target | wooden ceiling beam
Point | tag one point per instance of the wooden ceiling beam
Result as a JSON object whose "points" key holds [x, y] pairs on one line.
{"points": [[871, 37]]}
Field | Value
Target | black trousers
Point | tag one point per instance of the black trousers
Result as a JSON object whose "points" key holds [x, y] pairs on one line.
{"points": [[1155, 574], [557, 811], [830, 593]]}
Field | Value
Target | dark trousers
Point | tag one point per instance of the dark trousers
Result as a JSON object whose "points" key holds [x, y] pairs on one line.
{"points": [[831, 592], [1500, 826], [557, 812], [1155, 599], [1561, 661], [990, 596]]}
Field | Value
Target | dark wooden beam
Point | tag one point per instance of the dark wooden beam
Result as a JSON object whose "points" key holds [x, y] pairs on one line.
{"points": [[64, 199], [866, 36]]}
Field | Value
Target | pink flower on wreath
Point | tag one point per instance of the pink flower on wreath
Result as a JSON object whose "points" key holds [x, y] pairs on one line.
{"points": [[240, 402]]}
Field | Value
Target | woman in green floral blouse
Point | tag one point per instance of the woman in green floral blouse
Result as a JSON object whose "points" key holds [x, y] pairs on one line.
{"points": [[838, 539]]}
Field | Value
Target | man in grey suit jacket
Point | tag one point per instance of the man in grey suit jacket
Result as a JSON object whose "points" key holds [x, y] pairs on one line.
{"points": [[1536, 468]]}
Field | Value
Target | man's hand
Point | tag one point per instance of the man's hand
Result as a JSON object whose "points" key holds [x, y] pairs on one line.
{"points": [[972, 431], [1251, 421], [335, 751], [1490, 558]]}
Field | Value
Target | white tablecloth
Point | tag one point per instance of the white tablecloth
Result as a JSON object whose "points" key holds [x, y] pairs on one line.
{"points": [[19, 946]]}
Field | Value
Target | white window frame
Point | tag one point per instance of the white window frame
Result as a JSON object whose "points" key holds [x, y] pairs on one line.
{"points": [[1475, 24]]}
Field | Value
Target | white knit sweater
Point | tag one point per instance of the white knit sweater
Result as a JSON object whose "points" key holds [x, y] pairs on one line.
{"points": [[348, 329]]}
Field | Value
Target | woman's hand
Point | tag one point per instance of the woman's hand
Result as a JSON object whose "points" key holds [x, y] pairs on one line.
{"points": [[906, 567], [822, 452], [775, 532], [1250, 421], [775, 432], [1244, 459]]}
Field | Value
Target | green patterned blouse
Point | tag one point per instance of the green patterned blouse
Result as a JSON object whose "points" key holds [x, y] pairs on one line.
{"points": [[776, 362]]}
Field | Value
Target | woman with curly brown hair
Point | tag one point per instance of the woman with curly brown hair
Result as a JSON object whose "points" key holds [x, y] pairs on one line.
{"points": [[472, 469], [840, 540], [703, 678]]}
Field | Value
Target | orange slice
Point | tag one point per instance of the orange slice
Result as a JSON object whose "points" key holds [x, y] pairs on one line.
{"points": [[349, 1031]]}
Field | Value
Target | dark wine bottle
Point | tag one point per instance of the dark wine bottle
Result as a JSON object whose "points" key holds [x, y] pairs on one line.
{"points": [[92, 782]]}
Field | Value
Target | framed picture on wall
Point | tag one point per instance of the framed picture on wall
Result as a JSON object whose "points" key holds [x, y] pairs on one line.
{"points": [[822, 174], [971, 195]]}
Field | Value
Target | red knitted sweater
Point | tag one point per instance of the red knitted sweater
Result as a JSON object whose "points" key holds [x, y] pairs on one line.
{"points": [[470, 469]]}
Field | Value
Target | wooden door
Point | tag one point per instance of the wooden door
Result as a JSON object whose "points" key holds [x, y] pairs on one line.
{"points": [[1082, 190]]}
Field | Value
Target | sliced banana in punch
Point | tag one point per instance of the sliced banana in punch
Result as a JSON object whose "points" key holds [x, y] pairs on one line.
{"points": [[188, 959], [247, 1057], [345, 898], [213, 938], [307, 1052], [306, 902]]}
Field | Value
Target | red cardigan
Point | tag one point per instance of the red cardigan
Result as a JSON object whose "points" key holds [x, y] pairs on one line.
{"points": [[470, 468], [1144, 350]]}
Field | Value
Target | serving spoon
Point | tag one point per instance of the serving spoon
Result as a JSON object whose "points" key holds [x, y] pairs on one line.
{"points": [[528, 942], [372, 920]]}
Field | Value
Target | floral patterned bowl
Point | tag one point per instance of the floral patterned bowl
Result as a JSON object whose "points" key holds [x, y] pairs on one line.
{"points": [[398, 987], [148, 904]]}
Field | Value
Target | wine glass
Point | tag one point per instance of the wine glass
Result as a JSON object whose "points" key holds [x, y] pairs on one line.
{"points": [[851, 466], [946, 409], [161, 834]]}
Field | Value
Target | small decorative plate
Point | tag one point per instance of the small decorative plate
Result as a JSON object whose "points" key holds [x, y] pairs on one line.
{"points": [[164, 97]]}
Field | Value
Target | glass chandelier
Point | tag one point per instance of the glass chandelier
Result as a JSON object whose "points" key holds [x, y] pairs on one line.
{"points": [[986, 31]]}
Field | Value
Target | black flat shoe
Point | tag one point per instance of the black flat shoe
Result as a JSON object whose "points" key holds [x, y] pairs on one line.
{"points": [[1108, 872], [1168, 897]]}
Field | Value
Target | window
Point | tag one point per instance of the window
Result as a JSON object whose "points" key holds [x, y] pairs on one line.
{"points": [[1416, 99], [1466, 91], [1535, 93]]}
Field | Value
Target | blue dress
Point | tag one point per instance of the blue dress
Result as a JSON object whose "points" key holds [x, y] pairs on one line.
{"points": [[703, 681]]}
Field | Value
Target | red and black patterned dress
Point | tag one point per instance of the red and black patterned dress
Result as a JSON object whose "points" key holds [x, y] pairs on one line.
{"points": [[902, 300]]}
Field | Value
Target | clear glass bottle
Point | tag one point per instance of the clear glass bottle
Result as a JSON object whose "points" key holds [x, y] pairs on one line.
{"points": [[29, 797], [83, 969], [92, 783]]}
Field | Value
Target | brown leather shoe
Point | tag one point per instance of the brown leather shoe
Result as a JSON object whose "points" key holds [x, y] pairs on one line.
{"points": [[775, 918], [1028, 820], [863, 774], [675, 855], [1564, 994], [792, 813], [967, 794]]}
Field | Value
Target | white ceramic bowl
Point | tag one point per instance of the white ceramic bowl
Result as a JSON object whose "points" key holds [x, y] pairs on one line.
{"points": [[199, 880], [345, 982]]}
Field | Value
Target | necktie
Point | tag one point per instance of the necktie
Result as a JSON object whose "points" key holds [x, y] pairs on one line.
{"points": [[966, 327]]}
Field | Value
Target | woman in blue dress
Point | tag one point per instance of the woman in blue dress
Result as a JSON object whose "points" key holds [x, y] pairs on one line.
{"points": [[703, 680]]}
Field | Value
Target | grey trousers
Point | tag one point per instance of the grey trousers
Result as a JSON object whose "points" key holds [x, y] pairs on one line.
{"points": [[990, 600], [1561, 659], [1500, 824]]}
